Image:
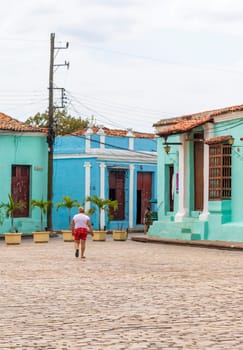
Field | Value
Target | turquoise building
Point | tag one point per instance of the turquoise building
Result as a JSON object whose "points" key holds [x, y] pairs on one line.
{"points": [[23, 171], [200, 167], [112, 164]]}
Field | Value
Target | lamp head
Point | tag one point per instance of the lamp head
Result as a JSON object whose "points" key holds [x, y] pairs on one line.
{"points": [[167, 148]]}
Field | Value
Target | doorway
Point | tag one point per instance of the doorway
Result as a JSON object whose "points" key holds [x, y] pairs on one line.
{"points": [[198, 171], [144, 194]]}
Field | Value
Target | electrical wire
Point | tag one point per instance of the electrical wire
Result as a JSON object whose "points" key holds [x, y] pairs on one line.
{"points": [[116, 147]]}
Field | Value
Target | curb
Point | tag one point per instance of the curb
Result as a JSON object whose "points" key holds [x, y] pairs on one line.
{"points": [[202, 244]]}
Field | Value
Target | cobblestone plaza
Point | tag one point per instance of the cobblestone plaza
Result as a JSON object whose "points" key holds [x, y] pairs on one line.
{"points": [[125, 295]]}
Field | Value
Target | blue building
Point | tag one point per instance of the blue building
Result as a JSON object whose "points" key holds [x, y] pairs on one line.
{"points": [[112, 164]]}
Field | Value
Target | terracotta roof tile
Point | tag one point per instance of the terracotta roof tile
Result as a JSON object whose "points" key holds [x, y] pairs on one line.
{"points": [[10, 124], [184, 125], [115, 132], [218, 139], [187, 122]]}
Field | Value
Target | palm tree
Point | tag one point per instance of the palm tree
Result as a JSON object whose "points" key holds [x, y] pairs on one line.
{"points": [[68, 203], [43, 205], [10, 207], [102, 204]]}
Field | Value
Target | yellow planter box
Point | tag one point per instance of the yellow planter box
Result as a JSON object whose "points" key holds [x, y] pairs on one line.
{"points": [[67, 236], [41, 236], [99, 236], [12, 238], [119, 235]]}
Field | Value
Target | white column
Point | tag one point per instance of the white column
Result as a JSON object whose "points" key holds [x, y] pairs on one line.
{"points": [[130, 139], [88, 132], [87, 143], [101, 133], [182, 211], [102, 141], [87, 167], [208, 132], [131, 197], [102, 192]]}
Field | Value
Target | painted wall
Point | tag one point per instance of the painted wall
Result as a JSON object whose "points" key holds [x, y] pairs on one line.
{"points": [[225, 218], [24, 150], [71, 157]]}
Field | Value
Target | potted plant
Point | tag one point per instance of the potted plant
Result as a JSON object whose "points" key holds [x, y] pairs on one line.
{"points": [[105, 205], [119, 234], [68, 203], [13, 237], [43, 235]]}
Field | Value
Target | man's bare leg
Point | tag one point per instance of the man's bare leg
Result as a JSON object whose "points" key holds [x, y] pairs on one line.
{"points": [[83, 246], [76, 246]]}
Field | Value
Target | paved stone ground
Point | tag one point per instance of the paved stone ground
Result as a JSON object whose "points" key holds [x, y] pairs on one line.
{"points": [[126, 295]]}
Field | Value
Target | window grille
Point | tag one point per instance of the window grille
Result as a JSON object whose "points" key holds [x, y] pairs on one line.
{"points": [[219, 171]]}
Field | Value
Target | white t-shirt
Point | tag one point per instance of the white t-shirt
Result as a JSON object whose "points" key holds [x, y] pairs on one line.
{"points": [[80, 220]]}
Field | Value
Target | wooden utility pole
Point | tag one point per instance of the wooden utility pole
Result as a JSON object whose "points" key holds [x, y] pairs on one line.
{"points": [[51, 134], [51, 131]]}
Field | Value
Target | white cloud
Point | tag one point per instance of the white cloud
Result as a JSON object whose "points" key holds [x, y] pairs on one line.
{"points": [[131, 61]]}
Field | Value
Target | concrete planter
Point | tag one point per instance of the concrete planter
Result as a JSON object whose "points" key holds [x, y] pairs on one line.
{"points": [[99, 236], [119, 235], [12, 238], [67, 236], [41, 236]]}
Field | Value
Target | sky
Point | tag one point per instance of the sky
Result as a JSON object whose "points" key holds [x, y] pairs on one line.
{"points": [[131, 62]]}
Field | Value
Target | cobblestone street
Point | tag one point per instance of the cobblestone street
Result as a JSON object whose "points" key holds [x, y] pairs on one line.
{"points": [[126, 295]]}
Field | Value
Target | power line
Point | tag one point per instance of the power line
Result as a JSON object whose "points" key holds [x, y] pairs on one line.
{"points": [[160, 60], [116, 147]]}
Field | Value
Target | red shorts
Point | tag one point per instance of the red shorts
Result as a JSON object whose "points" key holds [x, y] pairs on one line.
{"points": [[80, 233]]}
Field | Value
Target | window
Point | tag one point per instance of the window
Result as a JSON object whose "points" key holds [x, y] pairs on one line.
{"points": [[219, 171], [117, 192], [20, 188]]}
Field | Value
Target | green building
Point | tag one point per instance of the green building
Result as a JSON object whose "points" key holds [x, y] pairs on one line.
{"points": [[200, 171], [23, 171]]}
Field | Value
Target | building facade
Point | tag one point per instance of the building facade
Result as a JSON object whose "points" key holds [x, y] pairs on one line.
{"points": [[23, 171], [200, 166], [112, 164]]}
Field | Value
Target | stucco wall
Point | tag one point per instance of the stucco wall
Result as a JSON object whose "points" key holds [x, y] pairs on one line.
{"points": [[24, 150]]}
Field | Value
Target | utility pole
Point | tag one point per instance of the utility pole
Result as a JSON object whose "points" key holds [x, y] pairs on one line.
{"points": [[51, 131]]}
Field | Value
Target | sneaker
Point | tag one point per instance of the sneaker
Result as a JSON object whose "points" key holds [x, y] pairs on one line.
{"points": [[77, 253]]}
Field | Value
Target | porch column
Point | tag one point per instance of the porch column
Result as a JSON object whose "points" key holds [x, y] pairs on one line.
{"points": [[87, 139], [130, 195], [208, 132], [101, 133], [87, 167], [102, 192], [183, 188], [130, 135]]}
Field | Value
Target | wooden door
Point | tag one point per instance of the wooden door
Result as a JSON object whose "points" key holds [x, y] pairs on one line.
{"points": [[198, 172], [20, 188], [117, 192], [171, 187], [144, 194]]}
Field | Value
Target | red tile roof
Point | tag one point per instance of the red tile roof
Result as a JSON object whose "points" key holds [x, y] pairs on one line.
{"points": [[10, 124], [184, 125], [218, 139], [188, 122], [116, 132]]}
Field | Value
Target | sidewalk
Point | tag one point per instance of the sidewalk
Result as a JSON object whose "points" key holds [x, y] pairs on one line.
{"points": [[206, 244]]}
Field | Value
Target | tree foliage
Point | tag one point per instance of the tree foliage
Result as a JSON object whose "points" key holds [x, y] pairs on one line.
{"points": [[102, 204], [43, 206], [68, 203], [10, 208], [63, 123]]}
